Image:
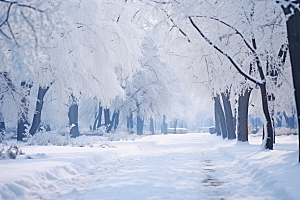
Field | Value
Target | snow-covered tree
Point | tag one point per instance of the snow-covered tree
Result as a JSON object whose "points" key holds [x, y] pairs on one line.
{"points": [[96, 39]]}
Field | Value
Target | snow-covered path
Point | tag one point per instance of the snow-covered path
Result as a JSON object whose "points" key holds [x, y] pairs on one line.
{"points": [[188, 166], [169, 170]]}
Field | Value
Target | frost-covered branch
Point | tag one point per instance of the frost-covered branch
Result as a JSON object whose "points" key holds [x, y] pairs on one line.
{"points": [[236, 31], [176, 26], [251, 47], [233, 62]]}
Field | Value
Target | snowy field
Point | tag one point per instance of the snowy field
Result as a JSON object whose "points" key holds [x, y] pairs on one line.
{"points": [[186, 166]]}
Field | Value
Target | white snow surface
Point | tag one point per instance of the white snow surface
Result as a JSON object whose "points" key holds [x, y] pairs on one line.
{"points": [[183, 166]]}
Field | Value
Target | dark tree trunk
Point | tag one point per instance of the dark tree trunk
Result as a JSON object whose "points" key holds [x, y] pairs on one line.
{"points": [[2, 123], [130, 122], [140, 125], [151, 126], [242, 126], [23, 112], [95, 122], [116, 119], [38, 110], [111, 123], [106, 117], [73, 118], [2, 126], [108, 122], [98, 119], [217, 120], [228, 116], [221, 117], [235, 115], [21, 129], [264, 98], [270, 138]]}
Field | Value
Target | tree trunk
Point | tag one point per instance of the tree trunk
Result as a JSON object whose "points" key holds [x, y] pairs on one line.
{"points": [[2, 126], [217, 120], [228, 116], [235, 115], [108, 122], [73, 118], [95, 122], [175, 126], [269, 139], [151, 126], [38, 110], [130, 122], [164, 126], [21, 129], [98, 119], [23, 111], [242, 126], [140, 125], [221, 117], [116, 119]]}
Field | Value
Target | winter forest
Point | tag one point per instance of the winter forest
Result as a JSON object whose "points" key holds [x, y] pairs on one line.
{"points": [[149, 99]]}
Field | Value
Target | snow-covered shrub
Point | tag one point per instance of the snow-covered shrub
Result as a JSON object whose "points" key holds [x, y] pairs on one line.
{"points": [[10, 152], [278, 131], [121, 135], [44, 138], [80, 142], [6, 136], [285, 131], [99, 132]]}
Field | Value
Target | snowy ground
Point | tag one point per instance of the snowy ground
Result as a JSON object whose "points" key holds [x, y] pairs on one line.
{"points": [[187, 166]]}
